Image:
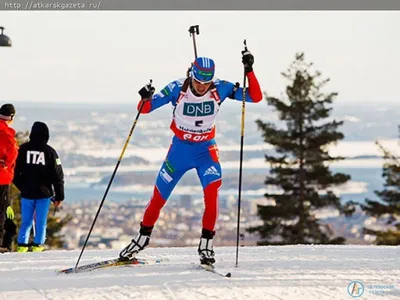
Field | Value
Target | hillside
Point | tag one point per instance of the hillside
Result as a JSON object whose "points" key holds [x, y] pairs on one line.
{"points": [[279, 272]]}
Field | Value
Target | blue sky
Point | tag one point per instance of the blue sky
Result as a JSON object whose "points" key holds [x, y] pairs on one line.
{"points": [[102, 56]]}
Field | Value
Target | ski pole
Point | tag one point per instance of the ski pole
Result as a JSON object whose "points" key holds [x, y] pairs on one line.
{"points": [[241, 159], [193, 30], [112, 178], [55, 207]]}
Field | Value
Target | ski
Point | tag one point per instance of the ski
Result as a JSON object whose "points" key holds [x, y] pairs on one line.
{"points": [[108, 263], [212, 269], [136, 261]]}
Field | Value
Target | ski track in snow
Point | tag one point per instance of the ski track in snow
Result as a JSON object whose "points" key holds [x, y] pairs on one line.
{"points": [[275, 272]]}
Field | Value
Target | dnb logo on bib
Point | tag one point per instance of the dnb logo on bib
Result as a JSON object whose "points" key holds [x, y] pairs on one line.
{"points": [[198, 109]]}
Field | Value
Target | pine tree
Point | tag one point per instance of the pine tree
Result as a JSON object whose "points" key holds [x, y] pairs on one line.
{"points": [[299, 167], [387, 210], [54, 223]]}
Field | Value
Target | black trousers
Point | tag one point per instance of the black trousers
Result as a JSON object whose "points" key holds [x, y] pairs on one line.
{"points": [[8, 229], [10, 232], [4, 202]]}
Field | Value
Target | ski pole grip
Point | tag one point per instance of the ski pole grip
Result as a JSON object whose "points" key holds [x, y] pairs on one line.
{"points": [[194, 29]]}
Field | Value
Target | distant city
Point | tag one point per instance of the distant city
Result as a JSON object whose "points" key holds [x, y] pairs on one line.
{"points": [[179, 224]]}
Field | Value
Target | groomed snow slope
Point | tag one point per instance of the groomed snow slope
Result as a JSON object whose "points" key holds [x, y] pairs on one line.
{"points": [[280, 272]]}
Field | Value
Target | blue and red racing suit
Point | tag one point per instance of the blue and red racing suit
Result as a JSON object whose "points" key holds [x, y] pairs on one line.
{"points": [[193, 145]]}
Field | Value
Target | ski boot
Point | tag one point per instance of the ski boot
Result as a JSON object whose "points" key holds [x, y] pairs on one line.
{"points": [[137, 244], [23, 248], [37, 248], [206, 252]]}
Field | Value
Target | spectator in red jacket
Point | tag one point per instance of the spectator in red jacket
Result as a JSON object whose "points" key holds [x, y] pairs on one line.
{"points": [[8, 156]]}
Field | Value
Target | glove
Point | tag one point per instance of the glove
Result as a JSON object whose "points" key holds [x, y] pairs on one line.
{"points": [[57, 203], [10, 213], [247, 60], [147, 92]]}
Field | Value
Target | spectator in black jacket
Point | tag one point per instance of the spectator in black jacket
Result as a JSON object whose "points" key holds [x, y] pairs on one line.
{"points": [[37, 172]]}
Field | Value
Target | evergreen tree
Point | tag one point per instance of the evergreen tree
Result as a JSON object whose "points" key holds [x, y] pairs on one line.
{"points": [[299, 167], [387, 210], [54, 223]]}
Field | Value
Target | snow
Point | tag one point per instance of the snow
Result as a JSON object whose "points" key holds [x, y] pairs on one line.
{"points": [[351, 187], [257, 163], [274, 272], [342, 148], [357, 148], [352, 119]]}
